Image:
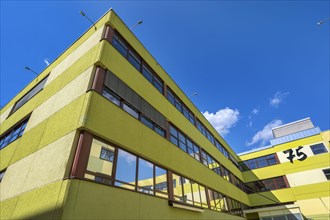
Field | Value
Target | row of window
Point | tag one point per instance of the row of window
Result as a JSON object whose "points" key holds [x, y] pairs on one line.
{"points": [[296, 216], [29, 95], [267, 184], [184, 143], [175, 136], [259, 162], [113, 166], [179, 105], [132, 56], [114, 98], [13, 134], [272, 159]]}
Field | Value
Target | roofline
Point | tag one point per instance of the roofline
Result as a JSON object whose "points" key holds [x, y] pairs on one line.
{"points": [[281, 126], [254, 150]]}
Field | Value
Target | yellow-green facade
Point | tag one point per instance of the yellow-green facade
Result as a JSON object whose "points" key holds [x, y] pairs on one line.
{"points": [[45, 177]]}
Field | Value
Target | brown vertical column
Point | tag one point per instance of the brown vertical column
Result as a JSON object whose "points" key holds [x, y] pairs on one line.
{"points": [[170, 185], [99, 78], [207, 197], [108, 33], [82, 154]]}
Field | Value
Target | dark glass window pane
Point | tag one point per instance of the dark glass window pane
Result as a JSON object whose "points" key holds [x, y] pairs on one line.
{"points": [[327, 173], [111, 96], [318, 149], [147, 74], [146, 121], [30, 94], [13, 134], [185, 112], [120, 45], [178, 105], [145, 177], [158, 85], [262, 162], [173, 131], [160, 130], [183, 146], [126, 170], [170, 97], [191, 119], [107, 154], [131, 111], [280, 182], [174, 140], [134, 60], [252, 166]]}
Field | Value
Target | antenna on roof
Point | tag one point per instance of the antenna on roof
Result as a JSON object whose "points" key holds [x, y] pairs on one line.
{"points": [[84, 15], [29, 69], [139, 22]]}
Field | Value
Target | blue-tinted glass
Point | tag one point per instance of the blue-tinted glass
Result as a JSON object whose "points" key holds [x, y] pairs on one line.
{"points": [[134, 60], [178, 105], [174, 140], [147, 74], [170, 97], [160, 131], [318, 149], [173, 131], [119, 45], [126, 169], [111, 96], [145, 176], [131, 111], [147, 122], [158, 84]]}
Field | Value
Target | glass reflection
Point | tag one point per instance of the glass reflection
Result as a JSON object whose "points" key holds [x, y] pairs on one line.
{"points": [[145, 177], [126, 170]]}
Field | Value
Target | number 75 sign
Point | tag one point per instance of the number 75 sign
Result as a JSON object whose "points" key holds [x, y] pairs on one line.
{"points": [[300, 155]]}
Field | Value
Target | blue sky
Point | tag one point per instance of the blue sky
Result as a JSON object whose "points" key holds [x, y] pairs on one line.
{"points": [[254, 64]]}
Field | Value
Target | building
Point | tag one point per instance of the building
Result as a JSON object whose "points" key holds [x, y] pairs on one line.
{"points": [[104, 132], [295, 167]]}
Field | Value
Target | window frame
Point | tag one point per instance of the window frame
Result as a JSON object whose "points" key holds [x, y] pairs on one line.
{"points": [[13, 110], [7, 135], [321, 144]]}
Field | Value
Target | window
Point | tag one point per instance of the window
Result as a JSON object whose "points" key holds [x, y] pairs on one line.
{"points": [[2, 173], [188, 191], [130, 110], [107, 154], [126, 170], [267, 184], [133, 104], [120, 44], [111, 96], [145, 177], [29, 95], [135, 60], [318, 148], [259, 162], [160, 182], [218, 202], [100, 162], [13, 134], [327, 173]]}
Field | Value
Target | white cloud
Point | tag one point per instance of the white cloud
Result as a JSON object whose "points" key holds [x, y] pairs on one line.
{"points": [[130, 159], [223, 119], [46, 61], [255, 111], [265, 134], [278, 98]]}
